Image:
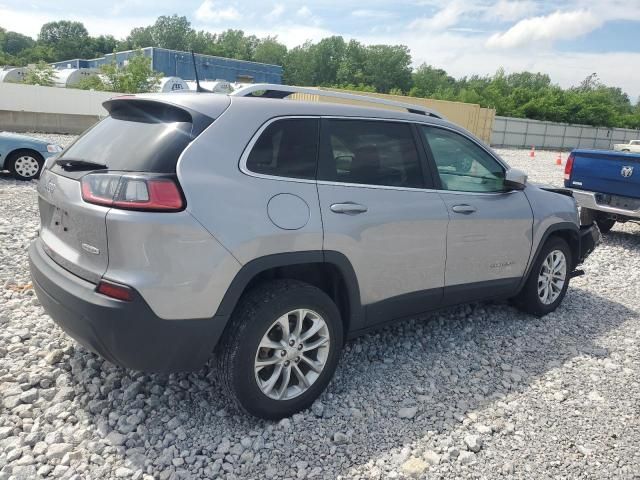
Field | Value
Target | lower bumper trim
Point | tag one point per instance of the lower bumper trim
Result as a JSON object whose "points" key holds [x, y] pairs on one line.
{"points": [[128, 334]]}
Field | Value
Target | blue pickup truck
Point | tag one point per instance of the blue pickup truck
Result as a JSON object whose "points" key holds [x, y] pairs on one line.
{"points": [[606, 185]]}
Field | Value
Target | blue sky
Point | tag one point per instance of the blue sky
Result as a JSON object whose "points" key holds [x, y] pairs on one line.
{"points": [[568, 40]]}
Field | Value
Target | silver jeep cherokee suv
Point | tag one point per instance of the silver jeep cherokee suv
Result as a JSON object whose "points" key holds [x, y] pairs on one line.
{"points": [[268, 231]]}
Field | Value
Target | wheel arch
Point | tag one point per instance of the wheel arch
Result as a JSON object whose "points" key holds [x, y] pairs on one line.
{"points": [[16, 151], [569, 232], [328, 270]]}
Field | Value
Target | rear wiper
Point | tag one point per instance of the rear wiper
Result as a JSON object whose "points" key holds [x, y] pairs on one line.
{"points": [[71, 165]]}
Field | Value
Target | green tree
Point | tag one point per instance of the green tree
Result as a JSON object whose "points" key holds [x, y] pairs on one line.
{"points": [[136, 76], [67, 39], [173, 32], [140, 37], [41, 74], [387, 66], [15, 43], [269, 50], [428, 80]]}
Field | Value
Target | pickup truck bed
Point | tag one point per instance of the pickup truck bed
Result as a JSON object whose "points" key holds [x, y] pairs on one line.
{"points": [[606, 185]]}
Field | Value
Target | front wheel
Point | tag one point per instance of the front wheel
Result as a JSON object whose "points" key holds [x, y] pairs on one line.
{"points": [[548, 280], [281, 348]]}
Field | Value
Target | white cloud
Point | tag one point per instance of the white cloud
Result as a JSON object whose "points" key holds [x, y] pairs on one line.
{"points": [[443, 19], [546, 29], [304, 12], [366, 13], [276, 13], [511, 10], [211, 12]]}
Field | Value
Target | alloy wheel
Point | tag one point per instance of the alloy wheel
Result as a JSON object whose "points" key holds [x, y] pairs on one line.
{"points": [[292, 354], [552, 277]]}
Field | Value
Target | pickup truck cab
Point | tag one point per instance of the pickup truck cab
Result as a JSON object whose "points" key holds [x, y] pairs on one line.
{"points": [[632, 146], [606, 185]]}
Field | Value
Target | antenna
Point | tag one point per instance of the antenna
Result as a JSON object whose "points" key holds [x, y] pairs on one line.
{"points": [[195, 70]]}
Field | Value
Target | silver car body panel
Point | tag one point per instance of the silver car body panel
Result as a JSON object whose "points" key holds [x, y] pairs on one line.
{"points": [[179, 268], [183, 263], [397, 246], [491, 243]]}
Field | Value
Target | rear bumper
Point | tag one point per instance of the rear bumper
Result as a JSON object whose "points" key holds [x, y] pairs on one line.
{"points": [[128, 334], [589, 200], [589, 240]]}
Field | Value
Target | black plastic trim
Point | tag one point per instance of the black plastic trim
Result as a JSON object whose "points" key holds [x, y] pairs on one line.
{"points": [[128, 333], [251, 269], [556, 227]]}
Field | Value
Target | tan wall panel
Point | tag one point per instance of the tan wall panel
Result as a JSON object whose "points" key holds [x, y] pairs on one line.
{"points": [[477, 120]]}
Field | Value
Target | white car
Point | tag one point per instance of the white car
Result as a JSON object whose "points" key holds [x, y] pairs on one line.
{"points": [[632, 146]]}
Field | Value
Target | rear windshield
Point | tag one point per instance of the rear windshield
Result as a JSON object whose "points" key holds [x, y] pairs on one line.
{"points": [[142, 138]]}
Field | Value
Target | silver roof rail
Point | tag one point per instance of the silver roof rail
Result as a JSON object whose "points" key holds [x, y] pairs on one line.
{"points": [[270, 90]]}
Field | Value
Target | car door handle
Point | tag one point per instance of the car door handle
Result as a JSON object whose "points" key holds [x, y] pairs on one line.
{"points": [[348, 208], [464, 208]]}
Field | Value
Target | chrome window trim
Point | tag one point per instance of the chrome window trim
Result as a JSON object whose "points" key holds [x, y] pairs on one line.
{"points": [[247, 151]]}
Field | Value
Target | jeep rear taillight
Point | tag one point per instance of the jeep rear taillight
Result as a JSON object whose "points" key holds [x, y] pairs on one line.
{"points": [[133, 191], [568, 167]]}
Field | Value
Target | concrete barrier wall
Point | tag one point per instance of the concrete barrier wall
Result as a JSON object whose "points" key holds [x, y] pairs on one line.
{"points": [[31, 108], [521, 132]]}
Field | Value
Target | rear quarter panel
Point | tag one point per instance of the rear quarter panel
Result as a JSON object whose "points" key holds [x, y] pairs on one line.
{"points": [[232, 205]]}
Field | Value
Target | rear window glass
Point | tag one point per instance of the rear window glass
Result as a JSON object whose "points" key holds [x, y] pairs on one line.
{"points": [[147, 139], [287, 148]]}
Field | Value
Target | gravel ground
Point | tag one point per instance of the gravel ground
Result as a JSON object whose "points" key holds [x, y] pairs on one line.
{"points": [[479, 391]]}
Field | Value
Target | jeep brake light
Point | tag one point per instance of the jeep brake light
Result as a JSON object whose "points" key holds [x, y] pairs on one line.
{"points": [[568, 167], [133, 191]]}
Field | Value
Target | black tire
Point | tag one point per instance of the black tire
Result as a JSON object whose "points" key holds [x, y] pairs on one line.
{"points": [[528, 300], [21, 174], [254, 315], [605, 224]]}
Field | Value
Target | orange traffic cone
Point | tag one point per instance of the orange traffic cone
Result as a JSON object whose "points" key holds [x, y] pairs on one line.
{"points": [[532, 153], [559, 159]]}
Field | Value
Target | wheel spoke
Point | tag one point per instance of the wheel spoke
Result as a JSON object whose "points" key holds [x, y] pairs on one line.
{"points": [[315, 344], [300, 315], [283, 321], [265, 362], [315, 328], [313, 364], [267, 386], [286, 378], [268, 343], [301, 377]]}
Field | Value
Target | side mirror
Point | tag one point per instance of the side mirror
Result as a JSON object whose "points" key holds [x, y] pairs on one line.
{"points": [[515, 179]]}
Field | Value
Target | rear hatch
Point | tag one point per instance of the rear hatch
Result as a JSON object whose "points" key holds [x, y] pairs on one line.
{"points": [[142, 136], [606, 172]]}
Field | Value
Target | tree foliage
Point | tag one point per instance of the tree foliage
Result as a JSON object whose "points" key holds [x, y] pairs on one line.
{"points": [[136, 76], [332, 62], [41, 74]]}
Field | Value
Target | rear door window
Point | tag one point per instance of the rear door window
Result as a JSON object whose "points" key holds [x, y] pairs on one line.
{"points": [[370, 152], [287, 148]]}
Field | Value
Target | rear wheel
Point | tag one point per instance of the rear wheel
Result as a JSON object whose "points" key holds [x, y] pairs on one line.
{"points": [[281, 348], [25, 164], [548, 280], [605, 224]]}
